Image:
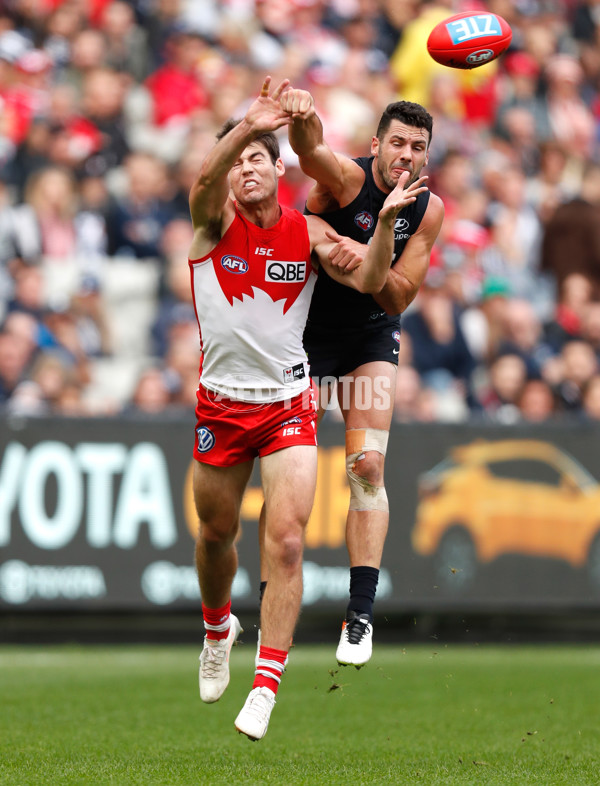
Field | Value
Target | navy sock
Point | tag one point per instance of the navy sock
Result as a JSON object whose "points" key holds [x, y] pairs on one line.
{"points": [[363, 586]]}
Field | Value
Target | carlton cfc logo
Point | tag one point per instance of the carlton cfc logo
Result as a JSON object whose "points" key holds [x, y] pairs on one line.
{"points": [[234, 264], [364, 220]]}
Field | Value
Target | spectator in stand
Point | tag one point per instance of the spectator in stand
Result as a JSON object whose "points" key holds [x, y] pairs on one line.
{"points": [[50, 223], [484, 323], [571, 121], [103, 104], [577, 365], [439, 349], [521, 83], [551, 186], [536, 402], [524, 336], [590, 326], [138, 217], [176, 307], [151, 396], [571, 239], [176, 87], [515, 233], [574, 297], [591, 398], [125, 41], [16, 352], [507, 378], [413, 402]]}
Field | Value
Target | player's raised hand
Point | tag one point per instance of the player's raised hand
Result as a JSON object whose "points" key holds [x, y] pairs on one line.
{"points": [[266, 112], [299, 104], [402, 196]]}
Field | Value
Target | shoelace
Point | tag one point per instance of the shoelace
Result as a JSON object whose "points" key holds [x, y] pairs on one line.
{"points": [[212, 662], [259, 706], [356, 629]]}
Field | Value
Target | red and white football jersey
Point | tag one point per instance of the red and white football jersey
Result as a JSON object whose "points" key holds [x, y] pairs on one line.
{"points": [[251, 295]]}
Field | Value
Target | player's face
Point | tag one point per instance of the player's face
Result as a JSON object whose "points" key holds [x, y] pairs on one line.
{"points": [[253, 177], [403, 148]]}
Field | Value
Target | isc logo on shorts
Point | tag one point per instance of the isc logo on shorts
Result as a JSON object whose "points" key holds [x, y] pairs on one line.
{"points": [[206, 439], [285, 272]]}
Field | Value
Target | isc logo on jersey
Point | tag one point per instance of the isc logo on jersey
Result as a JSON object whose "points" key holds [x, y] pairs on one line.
{"points": [[285, 272], [234, 264]]}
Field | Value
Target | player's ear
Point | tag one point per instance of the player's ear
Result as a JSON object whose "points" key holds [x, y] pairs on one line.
{"points": [[374, 146], [279, 167]]}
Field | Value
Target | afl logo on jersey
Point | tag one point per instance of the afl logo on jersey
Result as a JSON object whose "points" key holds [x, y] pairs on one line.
{"points": [[396, 336], [364, 220], [206, 439], [234, 264]]}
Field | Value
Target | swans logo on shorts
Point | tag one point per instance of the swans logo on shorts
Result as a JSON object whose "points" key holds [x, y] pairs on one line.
{"points": [[364, 220], [233, 264], [206, 439]]}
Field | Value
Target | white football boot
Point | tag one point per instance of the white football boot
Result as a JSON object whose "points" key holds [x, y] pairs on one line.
{"points": [[356, 642], [253, 720], [214, 663]]}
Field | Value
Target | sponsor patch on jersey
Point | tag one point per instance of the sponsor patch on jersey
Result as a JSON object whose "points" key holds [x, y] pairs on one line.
{"points": [[293, 373], [206, 439], [396, 336], [364, 220], [234, 264], [278, 272]]}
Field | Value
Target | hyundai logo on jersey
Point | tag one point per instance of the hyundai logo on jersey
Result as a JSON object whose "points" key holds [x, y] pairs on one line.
{"points": [[364, 220], [234, 264], [206, 439]]}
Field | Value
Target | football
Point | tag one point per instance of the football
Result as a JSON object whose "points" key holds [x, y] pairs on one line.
{"points": [[469, 40]]}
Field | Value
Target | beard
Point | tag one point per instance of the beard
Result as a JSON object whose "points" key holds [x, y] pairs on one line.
{"points": [[391, 182]]}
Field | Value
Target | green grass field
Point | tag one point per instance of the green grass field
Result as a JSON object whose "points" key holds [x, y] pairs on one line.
{"points": [[458, 714]]}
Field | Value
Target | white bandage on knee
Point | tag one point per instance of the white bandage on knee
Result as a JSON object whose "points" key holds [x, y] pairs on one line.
{"points": [[363, 494]]}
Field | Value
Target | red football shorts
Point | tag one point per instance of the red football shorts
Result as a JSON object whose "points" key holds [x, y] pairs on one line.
{"points": [[230, 431]]}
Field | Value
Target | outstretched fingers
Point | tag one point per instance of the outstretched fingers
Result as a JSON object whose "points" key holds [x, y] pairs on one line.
{"points": [[266, 86]]}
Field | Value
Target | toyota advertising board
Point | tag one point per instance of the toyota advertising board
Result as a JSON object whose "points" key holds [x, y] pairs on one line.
{"points": [[99, 515]]}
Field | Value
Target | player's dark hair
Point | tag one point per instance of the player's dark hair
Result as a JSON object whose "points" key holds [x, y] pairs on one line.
{"points": [[268, 139], [408, 113]]}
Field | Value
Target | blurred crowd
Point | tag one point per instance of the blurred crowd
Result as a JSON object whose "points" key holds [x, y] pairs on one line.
{"points": [[107, 108]]}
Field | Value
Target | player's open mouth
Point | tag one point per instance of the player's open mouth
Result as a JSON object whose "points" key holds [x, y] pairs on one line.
{"points": [[250, 184]]}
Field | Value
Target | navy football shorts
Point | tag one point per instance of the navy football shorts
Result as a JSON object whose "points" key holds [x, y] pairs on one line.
{"points": [[338, 352]]}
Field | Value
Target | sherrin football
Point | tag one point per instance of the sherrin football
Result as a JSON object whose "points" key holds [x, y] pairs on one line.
{"points": [[469, 40]]}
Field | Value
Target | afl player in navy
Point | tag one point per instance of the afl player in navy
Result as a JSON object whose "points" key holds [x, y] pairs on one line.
{"points": [[352, 339]]}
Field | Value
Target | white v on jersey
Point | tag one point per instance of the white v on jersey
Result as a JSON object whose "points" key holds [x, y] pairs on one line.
{"points": [[251, 295]]}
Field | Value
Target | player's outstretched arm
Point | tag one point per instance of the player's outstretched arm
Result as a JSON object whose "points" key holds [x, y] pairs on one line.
{"points": [[209, 194], [371, 275], [408, 272], [338, 178]]}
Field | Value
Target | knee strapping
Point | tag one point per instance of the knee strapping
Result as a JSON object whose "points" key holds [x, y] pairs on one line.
{"points": [[364, 495]]}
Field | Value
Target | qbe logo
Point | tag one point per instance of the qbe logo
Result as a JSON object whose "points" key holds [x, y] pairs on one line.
{"points": [[285, 272], [206, 439], [234, 264], [482, 56]]}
